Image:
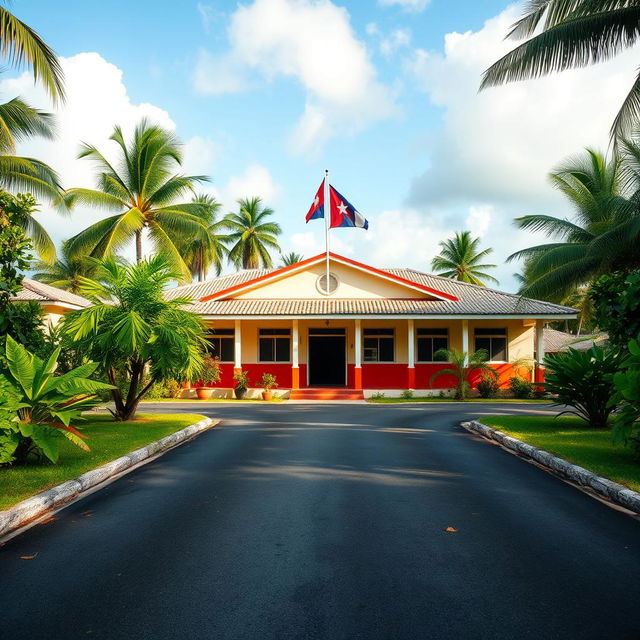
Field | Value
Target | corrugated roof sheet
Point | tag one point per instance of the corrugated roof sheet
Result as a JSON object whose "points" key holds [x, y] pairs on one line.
{"points": [[555, 341], [472, 300], [32, 290]]}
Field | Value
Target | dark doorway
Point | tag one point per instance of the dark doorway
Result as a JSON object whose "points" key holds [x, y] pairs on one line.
{"points": [[327, 359]]}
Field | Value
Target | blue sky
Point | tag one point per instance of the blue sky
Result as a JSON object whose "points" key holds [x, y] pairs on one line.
{"points": [[267, 93]]}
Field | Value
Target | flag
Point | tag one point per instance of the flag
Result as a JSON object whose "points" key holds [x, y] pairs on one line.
{"points": [[343, 213], [317, 208]]}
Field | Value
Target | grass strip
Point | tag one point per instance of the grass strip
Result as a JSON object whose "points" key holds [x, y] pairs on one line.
{"points": [[107, 439], [570, 438]]}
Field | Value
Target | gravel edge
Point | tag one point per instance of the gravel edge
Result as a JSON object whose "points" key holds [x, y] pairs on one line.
{"points": [[603, 487], [45, 503]]}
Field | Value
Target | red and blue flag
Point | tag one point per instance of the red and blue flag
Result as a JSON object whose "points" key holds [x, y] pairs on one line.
{"points": [[342, 212], [317, 208]]}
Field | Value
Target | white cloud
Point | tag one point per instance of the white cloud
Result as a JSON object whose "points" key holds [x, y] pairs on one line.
{"points": [[314, 43], [495, 148], [407, 5], [219, 74], [207, 14], [97, 100], [397, 39], [255, 181], [311, 243]]}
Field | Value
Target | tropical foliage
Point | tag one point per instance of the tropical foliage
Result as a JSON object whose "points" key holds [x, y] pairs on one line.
{"points": [[567, 34], [66, 272], [252, 235], [20, 320], [206, 248], [616, 298], [583, 380], [44, 404], [627, 396], [460, 258], [143, 193], [21, 46], [462, 365], [23, 206], [287, 259], [133, 331], [602, 237]]}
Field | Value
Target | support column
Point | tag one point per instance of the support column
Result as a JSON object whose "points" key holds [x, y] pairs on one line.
{"points": [[237, 365], [295, 362], [358, 355], [465, 341], [539, 368], [411, 355]]}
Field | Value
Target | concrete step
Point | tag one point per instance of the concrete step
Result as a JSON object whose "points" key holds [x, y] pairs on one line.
{"points": [[322, 393]]}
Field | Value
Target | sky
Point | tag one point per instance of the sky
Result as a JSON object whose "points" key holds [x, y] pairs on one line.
{"points": [[266, 94]]}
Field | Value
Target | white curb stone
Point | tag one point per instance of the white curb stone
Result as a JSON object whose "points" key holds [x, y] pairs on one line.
{"points": [[44, 503], [602, 486]]}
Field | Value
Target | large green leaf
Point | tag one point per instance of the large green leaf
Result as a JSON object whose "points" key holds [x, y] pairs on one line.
{"points": [[21, 365]]}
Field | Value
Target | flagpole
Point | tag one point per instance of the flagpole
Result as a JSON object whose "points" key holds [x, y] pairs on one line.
{"points": [[327, 222]]}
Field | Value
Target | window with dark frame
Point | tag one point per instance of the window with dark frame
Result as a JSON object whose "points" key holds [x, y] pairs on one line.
{"points": [[429, 342], [222, 344], [274, 345], [493, 341], [378, 345]]}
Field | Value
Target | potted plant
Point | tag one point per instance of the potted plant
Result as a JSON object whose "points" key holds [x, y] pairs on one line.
{"points": [[241, 378], [209, 374], [267, 383]]}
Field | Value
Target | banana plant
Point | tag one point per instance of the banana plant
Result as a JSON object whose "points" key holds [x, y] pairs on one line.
{"points": [[37, 407]]}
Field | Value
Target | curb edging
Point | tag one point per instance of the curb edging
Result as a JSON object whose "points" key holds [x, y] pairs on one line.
{"points": [[603, 487], [33, 509]]}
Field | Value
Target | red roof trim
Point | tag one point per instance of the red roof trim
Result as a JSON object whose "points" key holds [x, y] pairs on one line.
{"points": [[309, 261]]}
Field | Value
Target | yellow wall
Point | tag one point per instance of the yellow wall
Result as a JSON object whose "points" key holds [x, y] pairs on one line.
{"points": [[353, 283]]}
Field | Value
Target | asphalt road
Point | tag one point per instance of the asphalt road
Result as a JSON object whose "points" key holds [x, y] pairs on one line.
{"points": [[318, 521]]}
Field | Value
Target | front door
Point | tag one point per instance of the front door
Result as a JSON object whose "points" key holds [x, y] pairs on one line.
{"points": [[327, 357]]}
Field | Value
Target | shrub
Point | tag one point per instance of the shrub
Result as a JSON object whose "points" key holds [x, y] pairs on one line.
{"points": [[520, 388], [488, 386], [268, 381], [37, 407], [626, 424], [241, 378], [210, 373], [378, 395], [174, 389], [583, 380], [157, 391], [461, 365], [617, 302], [407, 394]]}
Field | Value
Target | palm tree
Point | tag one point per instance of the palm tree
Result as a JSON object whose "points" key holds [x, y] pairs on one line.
{"points": [[21, 45], [252, 236], [571, 34], [19, 121], [66, 272], [459, 259], [23, 207], [206, 249], [603, 236], [142, 192], [462, 366], [287, 259], [136, 334]]}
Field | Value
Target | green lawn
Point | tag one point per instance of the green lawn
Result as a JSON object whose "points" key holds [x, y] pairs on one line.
{"points": [[438, 399], [568, 437], [107, 439]]}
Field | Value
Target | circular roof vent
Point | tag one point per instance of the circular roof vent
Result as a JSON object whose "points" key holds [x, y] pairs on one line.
{"points": [[321, 284]]}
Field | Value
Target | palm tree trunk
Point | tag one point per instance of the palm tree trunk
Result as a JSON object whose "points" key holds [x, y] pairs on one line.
{"points": [[139, 245]]}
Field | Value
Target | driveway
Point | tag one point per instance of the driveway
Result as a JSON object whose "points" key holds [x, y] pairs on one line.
{"points": [[328, 521]]}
